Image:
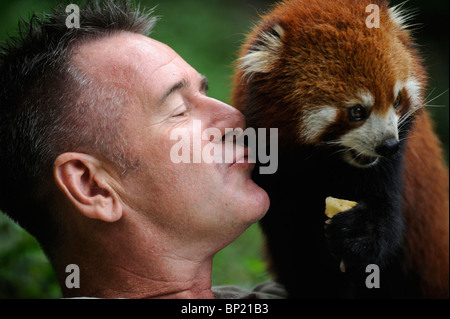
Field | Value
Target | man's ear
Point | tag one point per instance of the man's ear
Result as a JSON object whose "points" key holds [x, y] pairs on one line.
{"points": [[88, 186]]}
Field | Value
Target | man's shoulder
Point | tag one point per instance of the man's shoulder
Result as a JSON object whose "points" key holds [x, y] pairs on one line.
{"points": [[265, 290]]}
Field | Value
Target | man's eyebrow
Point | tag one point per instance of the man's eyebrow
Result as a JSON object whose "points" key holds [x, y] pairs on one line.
{"points": [[204, 86], [177, 86]]}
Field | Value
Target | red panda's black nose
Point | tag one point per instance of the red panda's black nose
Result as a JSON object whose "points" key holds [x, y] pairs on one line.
{"points": [[389, 147]]}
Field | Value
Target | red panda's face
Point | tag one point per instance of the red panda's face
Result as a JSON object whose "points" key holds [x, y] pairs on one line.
{"points": [[358, 128], [317, 68]]}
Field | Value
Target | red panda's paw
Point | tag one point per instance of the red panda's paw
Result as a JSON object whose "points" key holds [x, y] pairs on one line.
{"points": [[359, 237]]}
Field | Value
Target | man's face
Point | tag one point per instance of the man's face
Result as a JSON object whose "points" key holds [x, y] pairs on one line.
{"points": [[204, 202]]}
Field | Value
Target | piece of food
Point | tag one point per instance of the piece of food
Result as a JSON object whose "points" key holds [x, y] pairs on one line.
{"points": [[334, 206]]}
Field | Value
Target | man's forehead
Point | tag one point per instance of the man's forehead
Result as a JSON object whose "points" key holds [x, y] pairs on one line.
{"points": [[120, 57]]}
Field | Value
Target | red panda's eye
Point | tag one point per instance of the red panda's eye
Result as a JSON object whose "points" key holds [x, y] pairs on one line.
{"points": [[397, 101], [357, 113]]}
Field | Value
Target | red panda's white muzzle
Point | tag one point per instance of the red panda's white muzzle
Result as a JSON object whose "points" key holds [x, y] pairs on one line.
{"points": [[377, 137]]}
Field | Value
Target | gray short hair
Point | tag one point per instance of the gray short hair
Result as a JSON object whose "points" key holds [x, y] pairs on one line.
{"points": [[49, 106]]}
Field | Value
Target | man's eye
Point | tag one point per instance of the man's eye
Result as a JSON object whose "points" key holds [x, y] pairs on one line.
{"points": [[180, 113]]}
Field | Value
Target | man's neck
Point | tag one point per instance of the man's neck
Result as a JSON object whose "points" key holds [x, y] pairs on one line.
{"points": [[110, 268], [167, 278]]}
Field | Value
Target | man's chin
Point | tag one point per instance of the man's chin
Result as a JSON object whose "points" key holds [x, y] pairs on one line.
{"points": [[248, 198], [258, 201]]}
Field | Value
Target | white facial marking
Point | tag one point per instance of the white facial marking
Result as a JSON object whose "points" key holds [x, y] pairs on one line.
{"points": [[391, 121], [413, 88], [364, 98], [364, 139], [316, 121], [398, 87], [367, 99]]}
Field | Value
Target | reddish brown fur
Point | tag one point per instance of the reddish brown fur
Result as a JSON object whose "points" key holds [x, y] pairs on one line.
{"points": [[311, 23], [330, 57], [427, 209]]}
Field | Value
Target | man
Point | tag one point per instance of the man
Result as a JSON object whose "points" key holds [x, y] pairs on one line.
{"points": [[85, 123]]}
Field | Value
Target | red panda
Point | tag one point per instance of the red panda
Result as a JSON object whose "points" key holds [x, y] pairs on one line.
{"points": [[348, 100]]}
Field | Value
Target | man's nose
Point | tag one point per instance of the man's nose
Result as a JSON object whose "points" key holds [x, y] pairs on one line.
{"points": [[222, 115], [388, 147]]}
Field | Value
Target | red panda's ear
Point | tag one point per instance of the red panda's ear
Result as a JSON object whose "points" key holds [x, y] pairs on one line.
{"points": [[402, 16], [263, 50]]}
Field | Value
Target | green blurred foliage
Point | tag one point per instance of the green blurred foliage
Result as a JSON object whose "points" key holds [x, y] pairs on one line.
{"points": [[24, 270], [207, 34]]}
